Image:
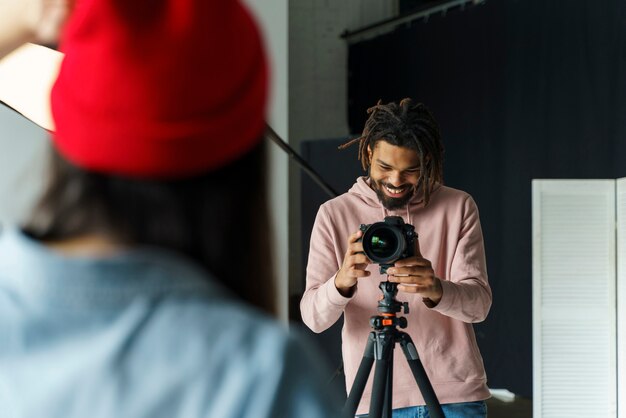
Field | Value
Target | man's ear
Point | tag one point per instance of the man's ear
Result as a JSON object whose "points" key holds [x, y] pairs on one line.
{"points": [[369, 155]]}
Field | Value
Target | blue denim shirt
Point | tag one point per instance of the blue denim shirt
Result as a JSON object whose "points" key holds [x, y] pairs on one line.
{"points": [[145, 333]]}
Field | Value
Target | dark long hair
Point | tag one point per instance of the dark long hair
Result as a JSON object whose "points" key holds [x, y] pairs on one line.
{"points": [[405, 124], [219, 219]]}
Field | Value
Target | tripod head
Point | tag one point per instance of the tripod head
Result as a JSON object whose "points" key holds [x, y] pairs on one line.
{"points": [[388, 304]]}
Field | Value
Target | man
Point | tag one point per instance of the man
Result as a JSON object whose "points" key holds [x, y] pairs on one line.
{"points": [[445, 283]]}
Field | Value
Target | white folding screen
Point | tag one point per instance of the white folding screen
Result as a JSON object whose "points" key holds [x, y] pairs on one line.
{"points": [[621, 296], [574, 299]]}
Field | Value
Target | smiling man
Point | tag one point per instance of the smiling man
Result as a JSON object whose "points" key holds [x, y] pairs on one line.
{"points": [[445, 282]]}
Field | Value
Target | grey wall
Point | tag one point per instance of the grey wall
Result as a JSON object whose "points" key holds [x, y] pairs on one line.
{"points": [[22, 164], [272, 16], [318, 94]]}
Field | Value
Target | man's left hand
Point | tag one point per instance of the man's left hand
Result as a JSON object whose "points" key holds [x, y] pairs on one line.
{"points": [[416, 275]]}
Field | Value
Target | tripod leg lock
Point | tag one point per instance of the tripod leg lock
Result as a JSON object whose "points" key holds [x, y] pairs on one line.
{"points": [[383, 347], [409, 348]]}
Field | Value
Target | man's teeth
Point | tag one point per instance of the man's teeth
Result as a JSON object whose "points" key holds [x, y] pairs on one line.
{"points": [[394, 191]]}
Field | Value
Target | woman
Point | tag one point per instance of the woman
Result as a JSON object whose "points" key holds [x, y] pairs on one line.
{"points": [[129, 290]]}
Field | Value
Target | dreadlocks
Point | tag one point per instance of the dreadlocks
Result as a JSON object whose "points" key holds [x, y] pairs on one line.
{"points": [[406, 125]]}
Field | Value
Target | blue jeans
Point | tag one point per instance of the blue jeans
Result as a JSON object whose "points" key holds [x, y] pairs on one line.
{"points": [[476, 409]]}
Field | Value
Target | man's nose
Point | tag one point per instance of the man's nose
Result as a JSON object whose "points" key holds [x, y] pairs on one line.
{"points": [[395, 178]]}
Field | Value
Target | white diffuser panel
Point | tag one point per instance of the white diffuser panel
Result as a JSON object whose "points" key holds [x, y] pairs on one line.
{"points": [[621, 296], [574, 299]]}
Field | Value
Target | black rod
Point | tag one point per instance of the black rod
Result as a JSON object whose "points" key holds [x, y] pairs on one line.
{"points": [[271, 134], [424, 11]]}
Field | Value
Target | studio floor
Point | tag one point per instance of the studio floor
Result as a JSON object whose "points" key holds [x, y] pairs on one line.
{"points": [[518, 408]]}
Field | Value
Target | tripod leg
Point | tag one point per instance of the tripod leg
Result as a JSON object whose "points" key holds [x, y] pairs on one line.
{"points": [[388, 408], [379, 388], [410, 352], [352, 403], [383, 354]]}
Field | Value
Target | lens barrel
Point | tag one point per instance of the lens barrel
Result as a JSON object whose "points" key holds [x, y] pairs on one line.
{"points": [[383, 243]]}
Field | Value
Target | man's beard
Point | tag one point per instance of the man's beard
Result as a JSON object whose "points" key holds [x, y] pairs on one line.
{"points": [[388, 202]]}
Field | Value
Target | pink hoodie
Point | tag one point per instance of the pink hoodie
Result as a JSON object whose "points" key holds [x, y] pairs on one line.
{"points": [[451, 238]]}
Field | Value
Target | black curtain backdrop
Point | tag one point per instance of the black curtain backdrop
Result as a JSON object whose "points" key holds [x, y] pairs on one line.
{"points": [[522, 90]]}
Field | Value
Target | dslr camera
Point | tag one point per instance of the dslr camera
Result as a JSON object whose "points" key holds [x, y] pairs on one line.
{"points": [[388, 241]]}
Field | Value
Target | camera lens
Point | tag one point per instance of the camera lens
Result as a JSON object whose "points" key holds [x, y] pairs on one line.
{"points": [[383, 243], [388, 241]]}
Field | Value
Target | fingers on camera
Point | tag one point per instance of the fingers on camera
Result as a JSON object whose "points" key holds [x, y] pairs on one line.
{"points": [[354, 237]]}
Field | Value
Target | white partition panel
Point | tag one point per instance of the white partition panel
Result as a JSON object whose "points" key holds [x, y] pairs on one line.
{"points": [[621, 297], [574, 299]]}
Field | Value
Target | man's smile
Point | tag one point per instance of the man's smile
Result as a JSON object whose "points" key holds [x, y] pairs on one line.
{"points": [[395, 192]]}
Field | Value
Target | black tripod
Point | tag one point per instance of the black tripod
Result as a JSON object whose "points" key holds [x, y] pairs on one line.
{"points": [[380, 346]]}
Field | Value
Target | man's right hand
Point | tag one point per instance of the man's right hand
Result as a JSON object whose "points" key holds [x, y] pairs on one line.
{"points": [[354, 264]]}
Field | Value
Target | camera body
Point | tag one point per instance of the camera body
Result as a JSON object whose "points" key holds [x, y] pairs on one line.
{"points": [[388, 241]]}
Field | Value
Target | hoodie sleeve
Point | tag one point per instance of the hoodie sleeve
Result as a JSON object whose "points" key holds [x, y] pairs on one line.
{"points": [[322, 304], [466, 293]]}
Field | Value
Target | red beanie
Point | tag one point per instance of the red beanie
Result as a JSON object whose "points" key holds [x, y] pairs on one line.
{"points": [[159, 88]]}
